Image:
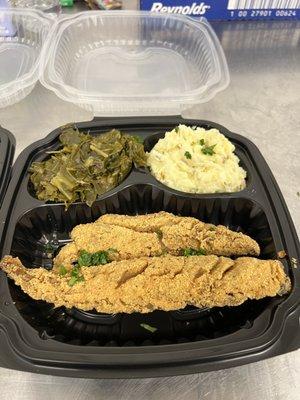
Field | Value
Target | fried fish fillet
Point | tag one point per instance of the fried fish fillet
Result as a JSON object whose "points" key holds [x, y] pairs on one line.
{"points": [[155, 283], [95, 237], [178, 232], [153, 235]]}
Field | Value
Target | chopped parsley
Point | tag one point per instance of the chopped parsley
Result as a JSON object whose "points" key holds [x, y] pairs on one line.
{"points": [[177, 129], [62, 270], [72, 281], [298, 194], [193, 252], [75, 280], [188, 155], [149, 328], [76, 276], [209, 150], [87, 259]]}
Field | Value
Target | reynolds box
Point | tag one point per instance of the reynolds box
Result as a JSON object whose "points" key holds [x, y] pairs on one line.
{"points": [[227, 9]]}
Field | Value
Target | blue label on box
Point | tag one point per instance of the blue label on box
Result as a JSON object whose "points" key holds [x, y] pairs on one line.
{"points": [[227, 9]]}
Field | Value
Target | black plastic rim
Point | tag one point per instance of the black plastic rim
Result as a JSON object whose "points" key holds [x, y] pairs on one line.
{"points": [[7, 150], [274, 331]]}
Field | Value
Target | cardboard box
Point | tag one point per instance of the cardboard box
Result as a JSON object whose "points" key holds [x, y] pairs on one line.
{"points": [[228, 9]]}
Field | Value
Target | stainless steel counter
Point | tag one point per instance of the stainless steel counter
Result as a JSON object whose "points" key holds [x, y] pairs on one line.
{"points": [[262, 103]]}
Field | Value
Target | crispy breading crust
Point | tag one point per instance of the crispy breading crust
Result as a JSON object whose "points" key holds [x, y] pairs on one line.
{"points": [[180, 232], [155, 283], [153, 235]]}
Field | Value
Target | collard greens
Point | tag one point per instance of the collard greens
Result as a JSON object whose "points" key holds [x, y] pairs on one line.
{"points": [[86, 166]]}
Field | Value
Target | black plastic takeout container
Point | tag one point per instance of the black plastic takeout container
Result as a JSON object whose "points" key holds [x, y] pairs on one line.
{"points": [[7, 150], [34, 336]]}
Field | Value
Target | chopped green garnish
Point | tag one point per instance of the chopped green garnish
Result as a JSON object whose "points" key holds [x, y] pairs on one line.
{"points": [[62, 270], [76, 276], [193, 252], [188, 155], [75, 271], [75, 280], [100, 258], [87, 259], [149, 328], [84, 258], [72, 281], [209, 150], [177, 129], [201, 142], [212, 228], [298, 194]]}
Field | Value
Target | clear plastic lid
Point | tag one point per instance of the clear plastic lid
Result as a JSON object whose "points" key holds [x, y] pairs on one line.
{"points": [[52, 6], [134, 63], [23, 34]]}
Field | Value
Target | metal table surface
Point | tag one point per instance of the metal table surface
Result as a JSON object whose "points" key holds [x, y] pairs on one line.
{"points": [[262, 103]]}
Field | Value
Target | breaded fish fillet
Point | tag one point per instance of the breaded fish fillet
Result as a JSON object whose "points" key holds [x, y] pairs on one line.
{"points": [[186, 232], [157, 283], [98, 237], [153, 235]]}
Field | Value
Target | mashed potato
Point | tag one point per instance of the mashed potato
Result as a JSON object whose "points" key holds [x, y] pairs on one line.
{"points": [[196, 160]]}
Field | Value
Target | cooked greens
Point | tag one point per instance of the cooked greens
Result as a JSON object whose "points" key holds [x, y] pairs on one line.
{"points": [[86, 166]]}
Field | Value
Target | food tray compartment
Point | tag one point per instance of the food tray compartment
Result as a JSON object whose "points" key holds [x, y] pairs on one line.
{"points": [[135, 63], [51, 225], [185, 340], [23, 35], [140, 174]]}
